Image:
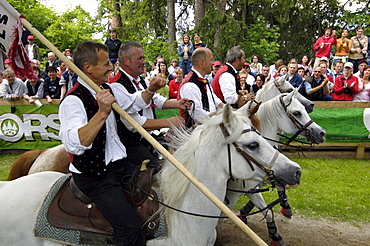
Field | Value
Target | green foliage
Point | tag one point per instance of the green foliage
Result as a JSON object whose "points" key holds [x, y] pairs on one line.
{"points": [[334, 189], [71, 28], [140, 19], [152, 47], [262, 39], [40, 16]]}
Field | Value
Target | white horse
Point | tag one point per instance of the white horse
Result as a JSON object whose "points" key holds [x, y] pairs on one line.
{"points": [[57, 158], [204, 153], [282, 113], [278, 86]]}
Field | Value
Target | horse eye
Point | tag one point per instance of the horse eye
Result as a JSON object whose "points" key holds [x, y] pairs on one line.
{"points": [[297, 113], [289, 90], [253, 145]]}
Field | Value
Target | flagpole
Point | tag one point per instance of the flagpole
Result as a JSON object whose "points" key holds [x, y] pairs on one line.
{"points": [[150, 139]]}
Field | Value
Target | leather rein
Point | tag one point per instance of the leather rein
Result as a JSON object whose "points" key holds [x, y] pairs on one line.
{"points": [[296, 122], [267, 168]]}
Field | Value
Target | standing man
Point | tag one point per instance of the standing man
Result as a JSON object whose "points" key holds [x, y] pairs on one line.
{"points": [[343, 47], [88, 130], [226, 84], [196, 88], [323, 45], [358, 49], [32, 50], [113, 44]]}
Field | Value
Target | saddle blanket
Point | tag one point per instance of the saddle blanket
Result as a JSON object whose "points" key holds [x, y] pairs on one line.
{"points": [[43, 229]]}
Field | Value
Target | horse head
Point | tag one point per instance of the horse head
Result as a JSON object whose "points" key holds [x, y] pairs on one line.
{"points": [[299, 120], [284, 86], [252, 153]]}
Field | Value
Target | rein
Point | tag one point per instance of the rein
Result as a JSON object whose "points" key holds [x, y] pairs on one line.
{"points": [[252, 191], [248, 157], [296, 122]]}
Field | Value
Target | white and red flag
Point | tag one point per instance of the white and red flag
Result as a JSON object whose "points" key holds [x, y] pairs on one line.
{"points": [[10, 40]]}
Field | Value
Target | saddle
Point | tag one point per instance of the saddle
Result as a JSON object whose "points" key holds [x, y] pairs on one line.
{"points": [[72, 209]]}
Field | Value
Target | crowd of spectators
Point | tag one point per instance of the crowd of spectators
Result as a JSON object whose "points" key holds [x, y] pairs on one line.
{"points": [[348, 80]]}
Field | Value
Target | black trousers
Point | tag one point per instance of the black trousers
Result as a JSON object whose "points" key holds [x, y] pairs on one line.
{"points": [[108, 195]]}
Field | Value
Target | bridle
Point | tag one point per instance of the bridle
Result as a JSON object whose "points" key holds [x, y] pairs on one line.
{"points": [[278, 86], [267, 168], [296, 122]]}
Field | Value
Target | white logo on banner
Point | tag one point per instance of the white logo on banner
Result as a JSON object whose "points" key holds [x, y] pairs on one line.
{"points": [[14, 129], [367, 119]]}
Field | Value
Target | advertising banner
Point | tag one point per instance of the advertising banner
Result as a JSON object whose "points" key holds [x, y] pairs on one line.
{"points": [[30, 127]]}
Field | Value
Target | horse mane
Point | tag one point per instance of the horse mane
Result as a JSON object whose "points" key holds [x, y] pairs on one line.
{"points": [[174, 184], [23, 163], [271, 109]]}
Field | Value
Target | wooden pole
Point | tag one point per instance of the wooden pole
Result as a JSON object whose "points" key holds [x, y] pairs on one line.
{"points": [[150, 139]]}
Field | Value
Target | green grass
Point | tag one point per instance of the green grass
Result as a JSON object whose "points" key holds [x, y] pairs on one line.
{"points": [[5, 162], [334, 189], [338, 189]]}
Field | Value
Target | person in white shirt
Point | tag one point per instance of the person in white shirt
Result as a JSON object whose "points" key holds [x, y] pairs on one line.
{"points": [[197, 88], [226, 84], [89, 132]]}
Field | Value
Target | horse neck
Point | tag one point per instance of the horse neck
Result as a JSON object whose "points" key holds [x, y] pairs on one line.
{"points": [[269, 115], [192, 230], [268, 92]]}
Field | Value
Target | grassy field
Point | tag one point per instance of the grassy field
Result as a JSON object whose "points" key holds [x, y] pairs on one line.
{"points": [[334, 189]]}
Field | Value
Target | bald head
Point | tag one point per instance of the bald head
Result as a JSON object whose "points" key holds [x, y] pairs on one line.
{"points": [[202, 60]]}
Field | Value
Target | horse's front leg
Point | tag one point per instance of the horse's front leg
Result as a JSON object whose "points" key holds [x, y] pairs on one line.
{"points": [[285, 207], [259, 202]]}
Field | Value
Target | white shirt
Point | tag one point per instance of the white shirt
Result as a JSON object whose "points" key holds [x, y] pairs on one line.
{"points": [[228, 88], [72, 116], [191, 91], [157, 99], [30, 51]]}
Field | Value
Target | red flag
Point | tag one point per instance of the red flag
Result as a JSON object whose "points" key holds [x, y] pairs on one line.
{"points": [[10, 40]]}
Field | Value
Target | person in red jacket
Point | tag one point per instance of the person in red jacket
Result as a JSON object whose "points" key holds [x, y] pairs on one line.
{"points": [[323, 45], [175, 83], [346, 85]]}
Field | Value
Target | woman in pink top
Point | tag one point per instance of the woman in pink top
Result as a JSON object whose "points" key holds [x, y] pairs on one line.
{"points": [[363, 86]]}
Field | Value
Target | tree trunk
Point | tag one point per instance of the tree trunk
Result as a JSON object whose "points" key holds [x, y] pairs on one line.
{"points": [[115, 19], [217, 44], [199, 11], [171, 21]]}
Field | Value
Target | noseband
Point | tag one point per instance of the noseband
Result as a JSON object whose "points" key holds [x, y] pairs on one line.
{"points": [[249, 157], [296, 122]]}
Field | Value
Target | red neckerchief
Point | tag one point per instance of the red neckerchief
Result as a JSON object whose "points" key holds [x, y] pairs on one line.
{"points": [[204, 82]]}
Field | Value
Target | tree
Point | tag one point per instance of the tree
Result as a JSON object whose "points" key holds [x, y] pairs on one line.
{"points": [[71, 28], [171, 21]]}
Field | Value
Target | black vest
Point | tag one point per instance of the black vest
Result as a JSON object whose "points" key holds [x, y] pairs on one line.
{"points": [[92, 161], [127, 136]]}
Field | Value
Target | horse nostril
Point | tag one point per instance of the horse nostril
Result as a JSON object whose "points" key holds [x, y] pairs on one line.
{"points": [[298, 176], [322, 134]]}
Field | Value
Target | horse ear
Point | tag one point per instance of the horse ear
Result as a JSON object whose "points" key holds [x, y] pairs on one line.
{"points": [[227, 115], [245, 108], [289, 96]]}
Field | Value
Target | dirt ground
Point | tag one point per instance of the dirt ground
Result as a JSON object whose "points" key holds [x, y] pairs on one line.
{"points": [[298, 231]]}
